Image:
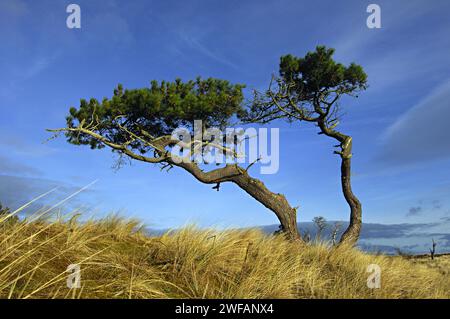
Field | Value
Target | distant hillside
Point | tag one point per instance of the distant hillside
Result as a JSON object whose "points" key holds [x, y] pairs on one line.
{"points": [[384, 238]]}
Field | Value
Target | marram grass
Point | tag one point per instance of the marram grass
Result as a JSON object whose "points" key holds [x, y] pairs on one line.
{"points": [[118, 260]]}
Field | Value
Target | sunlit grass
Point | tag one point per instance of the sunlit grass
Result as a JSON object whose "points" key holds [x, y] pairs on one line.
{"points": [[119, 260]]}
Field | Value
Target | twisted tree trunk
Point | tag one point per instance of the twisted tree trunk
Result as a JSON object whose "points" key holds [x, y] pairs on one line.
{"points": [[277, 203], [353, 231], [351, 234]]}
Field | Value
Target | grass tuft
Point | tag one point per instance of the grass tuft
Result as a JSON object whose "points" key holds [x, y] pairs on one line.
{"points": [[119, 260]]}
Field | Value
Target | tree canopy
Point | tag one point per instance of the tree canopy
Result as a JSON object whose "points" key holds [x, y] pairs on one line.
{"points": [[307, 88], [155, 111]]}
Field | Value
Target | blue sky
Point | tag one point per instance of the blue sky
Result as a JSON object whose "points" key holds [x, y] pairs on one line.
{"points": [[401, 145]]}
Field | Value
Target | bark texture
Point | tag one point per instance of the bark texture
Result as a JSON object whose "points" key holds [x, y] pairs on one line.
{"points": [[353, 231], [351, 234], [277, 203]]}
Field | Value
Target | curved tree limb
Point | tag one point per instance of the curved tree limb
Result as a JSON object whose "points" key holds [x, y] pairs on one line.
{"points": [[229, 173]]}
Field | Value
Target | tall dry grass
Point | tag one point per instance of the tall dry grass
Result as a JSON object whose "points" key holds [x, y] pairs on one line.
{"points": [[119, 260]]}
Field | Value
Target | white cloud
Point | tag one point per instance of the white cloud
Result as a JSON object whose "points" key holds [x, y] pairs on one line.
{"points": [[422, 133], [12, 166]]}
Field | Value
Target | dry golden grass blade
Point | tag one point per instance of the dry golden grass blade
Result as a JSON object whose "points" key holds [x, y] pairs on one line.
{"points": [[21, 208], [120, 261], [60, 276]]}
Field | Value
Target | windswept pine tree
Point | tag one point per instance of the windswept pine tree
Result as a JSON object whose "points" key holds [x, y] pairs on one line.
{"points": [[310, 89], [138, 124]]}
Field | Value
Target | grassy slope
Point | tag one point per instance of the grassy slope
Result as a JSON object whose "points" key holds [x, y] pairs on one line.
{"points": [[441, 263], [119, 261]]}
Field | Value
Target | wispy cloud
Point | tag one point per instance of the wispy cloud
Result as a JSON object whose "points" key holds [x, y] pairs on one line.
{"points": [[16, 74], [421, 134], [40, 64], [18, 146], [413, 211], [195, 43], [10, 166], [388, 55], [15, 191], [361, 40]]}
